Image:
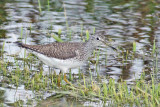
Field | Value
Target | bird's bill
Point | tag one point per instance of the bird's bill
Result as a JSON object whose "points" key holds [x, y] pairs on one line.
{"points": [[106, 43]]}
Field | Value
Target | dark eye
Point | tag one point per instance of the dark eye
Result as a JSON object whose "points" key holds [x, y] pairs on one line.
{"points": [[97, 38]]}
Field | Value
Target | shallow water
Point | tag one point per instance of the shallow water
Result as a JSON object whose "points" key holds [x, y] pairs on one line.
{"points": [[123, 21]]}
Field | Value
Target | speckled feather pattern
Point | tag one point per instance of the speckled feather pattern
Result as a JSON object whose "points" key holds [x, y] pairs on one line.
{"points": [[67, 54], [67, 50], [63, 51]]}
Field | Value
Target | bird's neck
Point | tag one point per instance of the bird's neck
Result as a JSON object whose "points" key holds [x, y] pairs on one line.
{"points": [[89, 45]]}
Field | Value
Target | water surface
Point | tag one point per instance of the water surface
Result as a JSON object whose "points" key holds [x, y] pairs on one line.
{"points": [[122, 21]]}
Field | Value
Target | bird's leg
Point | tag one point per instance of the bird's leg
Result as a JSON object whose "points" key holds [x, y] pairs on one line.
{"points": [[92, 61], [65, 79], [59, 79]]}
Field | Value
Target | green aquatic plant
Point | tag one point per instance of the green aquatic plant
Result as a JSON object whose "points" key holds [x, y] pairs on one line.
{"points": [[48, 1], [154, 47], [39, 3], [57, 38], [87, 34], [59, 32], [134, 46]]}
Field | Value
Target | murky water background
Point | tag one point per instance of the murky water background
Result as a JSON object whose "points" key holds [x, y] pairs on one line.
{"points": [[123, 21]]}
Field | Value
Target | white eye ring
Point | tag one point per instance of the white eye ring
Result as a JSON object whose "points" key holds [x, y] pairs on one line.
{"points": [[97, 38]]}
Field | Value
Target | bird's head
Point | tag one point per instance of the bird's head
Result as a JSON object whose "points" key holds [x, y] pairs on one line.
{"points": [[98, 39]]}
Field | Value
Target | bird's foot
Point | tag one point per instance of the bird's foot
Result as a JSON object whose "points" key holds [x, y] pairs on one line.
{"points": [[65, 79], [59, 80]]}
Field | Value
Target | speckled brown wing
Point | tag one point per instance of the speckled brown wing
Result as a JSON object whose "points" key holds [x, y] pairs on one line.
{"points": [[57, 50]]}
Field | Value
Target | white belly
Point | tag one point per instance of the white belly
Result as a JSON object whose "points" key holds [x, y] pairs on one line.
{"points": [[63, 65]]}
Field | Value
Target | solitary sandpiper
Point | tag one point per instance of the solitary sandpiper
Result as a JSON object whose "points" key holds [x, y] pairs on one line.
{"points": [[66, 55]]}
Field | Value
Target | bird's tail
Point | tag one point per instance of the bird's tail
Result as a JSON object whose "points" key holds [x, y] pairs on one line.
{"points": [[20, 44], [26, 46]]}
